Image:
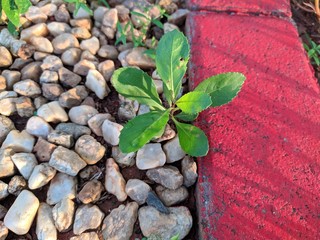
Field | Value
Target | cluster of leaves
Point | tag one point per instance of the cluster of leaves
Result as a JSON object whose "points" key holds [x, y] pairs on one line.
{"points": [[129, 28], [313, 51], [172, 55], [14, 8], [175, 237]]}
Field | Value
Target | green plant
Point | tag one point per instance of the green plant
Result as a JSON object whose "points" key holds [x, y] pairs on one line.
{"points": [[172, 55], [175, 237], [14, 8], [313, 51]]}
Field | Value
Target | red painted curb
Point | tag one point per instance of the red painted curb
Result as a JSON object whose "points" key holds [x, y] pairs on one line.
{"points": [[268, 7], [261, 177]]}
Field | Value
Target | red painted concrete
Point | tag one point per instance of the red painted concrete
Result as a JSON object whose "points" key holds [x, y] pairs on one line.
{"points": [[276, 7], [261, 178]]}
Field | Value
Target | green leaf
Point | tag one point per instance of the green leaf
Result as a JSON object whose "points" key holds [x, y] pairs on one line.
{"points": [[140, 130], [105, 3], [150, 53], [23, 5], [222, 88], [86, 8], [139, 15], [12, 29], [11, 11], [122, 37], [157, 23], [135, 84], [172, 56], [192, 139], [194, 102], [186, 117], [175, 237]]}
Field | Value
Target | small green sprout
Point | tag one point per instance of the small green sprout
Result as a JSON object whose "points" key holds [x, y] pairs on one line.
{"points": [[313, 51], [172, 56]]}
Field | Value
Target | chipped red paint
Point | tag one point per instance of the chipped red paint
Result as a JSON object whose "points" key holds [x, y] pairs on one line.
{"points": [[261, 178], [274, 7]]}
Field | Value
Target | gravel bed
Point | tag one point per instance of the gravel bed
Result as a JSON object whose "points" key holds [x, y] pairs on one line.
{"points": [[62, 174]]}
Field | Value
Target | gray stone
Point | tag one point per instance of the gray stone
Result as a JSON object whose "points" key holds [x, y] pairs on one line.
{"points": [[61, 186], [87, 55], [137, 190], [7, 94], [38, 127], [168, 27], [58, 28], [84, 22], [8, 106], [168, 134], [48, 76], [153, 222], [91, 192], [22, 212], [6, 165], [63, 42], [89, 149], [87, 217], [109, 22], [24, 107], [61, 138], [39, 101], [167, 176], [136, 57], [37, 30], [68, 78], [62, 15], [6, 125], [39, 56], [27, 88], [35, 15], [43, 150], [114, 181], [111, 132], [90, 172], [41, 175], [154, 201], [66, 161], [45, 228], [51, 91], [96, 83], [16, 185], [3, 190], [123, 159], [5, 57], [150, 156], [71, 56], [83, 66], [75, 129], [48, 9], [52, 63], [95, 123], [106, 68], [3, 84], [19, 63], [62, 214], [3, 212], [81, 114], [19, 141], [99, 12], [81, 33], [178, 17], [11, 77], [91, 44], [172, 197], [109, 52], [41, 44], [52, 112], [120, 222], [189, 171], [31, 71], [25, 163], [4, 231], [73, 97], [86, 236], [173, 150]]}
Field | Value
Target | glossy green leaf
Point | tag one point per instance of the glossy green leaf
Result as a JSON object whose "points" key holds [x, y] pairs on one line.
{"points": [[151, 53], [186, 117], [12, 29], [23, 5], [175, 237], [192, 139], [172, 56], [140, 130], [11, 11], [222, 87], [135, 84], [194, 102]]}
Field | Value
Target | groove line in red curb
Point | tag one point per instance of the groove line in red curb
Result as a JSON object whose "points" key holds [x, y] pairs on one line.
{"points": [[267, 7], [261, 177]]}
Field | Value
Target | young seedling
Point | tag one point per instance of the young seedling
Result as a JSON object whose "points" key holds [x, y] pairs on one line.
{"points": [[172, 55], [313, 51]]}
